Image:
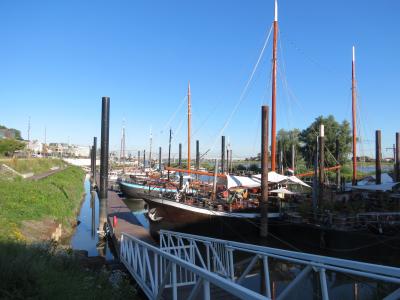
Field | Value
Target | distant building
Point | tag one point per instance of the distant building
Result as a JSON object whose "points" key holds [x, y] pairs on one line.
{"points": [[66, 150], [80, 151], [35, 146]]}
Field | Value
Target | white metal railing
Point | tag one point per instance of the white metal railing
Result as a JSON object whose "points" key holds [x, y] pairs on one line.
{"points": [[158, 272], [218, 256]]}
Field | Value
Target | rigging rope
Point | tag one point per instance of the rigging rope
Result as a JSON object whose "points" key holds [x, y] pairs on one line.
{"points": [[244, 91]]}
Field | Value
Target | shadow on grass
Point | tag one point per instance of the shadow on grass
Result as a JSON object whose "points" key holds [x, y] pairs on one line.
{"points": [[44, 272]]}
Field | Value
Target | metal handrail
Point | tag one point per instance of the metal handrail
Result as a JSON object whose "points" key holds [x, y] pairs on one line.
{"points": [[144, 262], [374, 271]]}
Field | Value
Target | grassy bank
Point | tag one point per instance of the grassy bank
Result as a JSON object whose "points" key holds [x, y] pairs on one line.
{"points": [[28, 272], [32, 165], [56, 197]]}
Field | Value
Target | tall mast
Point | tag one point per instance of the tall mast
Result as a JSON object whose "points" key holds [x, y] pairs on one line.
{"points": [[274, 56], [354, 96], [189, 117]]}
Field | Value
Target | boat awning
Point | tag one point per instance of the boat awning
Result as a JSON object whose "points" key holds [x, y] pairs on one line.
{"points": [[274, 177], [283, 191], [294, 179], [242, 181]]}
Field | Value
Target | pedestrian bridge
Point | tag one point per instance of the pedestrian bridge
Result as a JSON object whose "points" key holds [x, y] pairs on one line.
{"points": [[186, 266]]}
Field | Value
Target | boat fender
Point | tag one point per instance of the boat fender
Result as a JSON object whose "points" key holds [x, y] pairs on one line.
{"points": [[152, 215]]}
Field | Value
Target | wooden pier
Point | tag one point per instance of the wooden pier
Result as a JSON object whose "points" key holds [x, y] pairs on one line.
{"points": [[125, 221]]}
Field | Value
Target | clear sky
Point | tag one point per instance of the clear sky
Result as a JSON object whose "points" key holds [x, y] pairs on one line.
{"points": [[58, 58]]}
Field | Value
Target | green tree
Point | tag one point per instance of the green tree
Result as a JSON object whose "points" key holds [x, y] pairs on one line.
{"points": [[333, 130], [8, 146], [287, 139]]}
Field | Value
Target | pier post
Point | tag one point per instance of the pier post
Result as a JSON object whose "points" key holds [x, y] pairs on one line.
{"points": [[159, 159], [94, 181], [197, 155], [293, 159], [104, 156], [315, 182], [264, 172], [321, 175], [337, 157], [105, 119], [180, 166], [378, 157], [397, 158], [230, 161], [91, 163], [223, 154], [280, 157], [214, 191], [227, 160], [169, 150]]}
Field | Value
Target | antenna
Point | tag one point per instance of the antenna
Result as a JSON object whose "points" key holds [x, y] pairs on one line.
{"points": [[276, 11], [29, 128]]}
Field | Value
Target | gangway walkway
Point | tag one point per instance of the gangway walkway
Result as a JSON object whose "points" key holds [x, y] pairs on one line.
{"points": [[186, 266]]}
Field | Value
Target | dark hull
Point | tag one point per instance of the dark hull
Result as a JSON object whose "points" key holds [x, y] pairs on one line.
{"points": [[359, 245]]}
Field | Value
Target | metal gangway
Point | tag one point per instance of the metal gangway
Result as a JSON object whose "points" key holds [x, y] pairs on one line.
{"points": [[189, 267]]}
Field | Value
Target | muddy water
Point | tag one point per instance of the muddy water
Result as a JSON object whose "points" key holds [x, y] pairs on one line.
{"points": [[85, 236]]}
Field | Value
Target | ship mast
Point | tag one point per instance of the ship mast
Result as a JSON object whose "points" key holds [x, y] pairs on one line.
{"points": [[274, 57], [189, 117], [354, 96]]}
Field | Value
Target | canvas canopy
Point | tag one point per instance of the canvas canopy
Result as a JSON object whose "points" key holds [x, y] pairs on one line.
{"points": [[243, 181], [277, 178], [255, 180], [283, 191]]}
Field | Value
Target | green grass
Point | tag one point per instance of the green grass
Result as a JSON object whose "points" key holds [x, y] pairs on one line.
{"points": [[33, 165], [32, 272], [57, 197]]}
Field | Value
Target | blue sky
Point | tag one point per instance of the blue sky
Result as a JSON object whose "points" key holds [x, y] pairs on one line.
{"points": [[58, 58]]}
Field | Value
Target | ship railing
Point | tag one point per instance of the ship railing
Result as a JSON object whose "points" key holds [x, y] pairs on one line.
{"points": [[161, 274], [223, 258]]}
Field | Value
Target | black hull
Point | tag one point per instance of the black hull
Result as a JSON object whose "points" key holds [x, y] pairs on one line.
{"points": [[359, 245]]}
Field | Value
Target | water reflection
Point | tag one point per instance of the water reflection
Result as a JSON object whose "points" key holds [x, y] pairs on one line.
{"points": [[138, 209], [85, 236]]}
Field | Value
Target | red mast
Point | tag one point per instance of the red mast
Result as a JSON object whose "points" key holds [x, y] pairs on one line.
{"points": [[274, 55], [353, 96]]}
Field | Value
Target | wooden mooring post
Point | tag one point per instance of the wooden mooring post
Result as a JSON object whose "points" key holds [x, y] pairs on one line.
{"points": [[223, 154], [337, 157], [104, 155], [397, 158], [169, 150], [264, 172], [378, 157], [180, 166], [321, 165]]}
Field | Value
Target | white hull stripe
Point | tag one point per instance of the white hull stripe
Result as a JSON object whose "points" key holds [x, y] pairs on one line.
{"points": [[210, 212]]}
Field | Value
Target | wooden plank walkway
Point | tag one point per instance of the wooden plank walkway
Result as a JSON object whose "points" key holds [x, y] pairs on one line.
{"points": [[126, 221]]}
